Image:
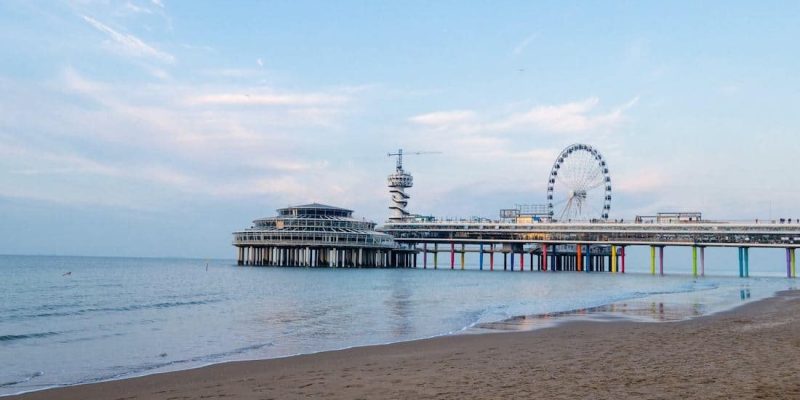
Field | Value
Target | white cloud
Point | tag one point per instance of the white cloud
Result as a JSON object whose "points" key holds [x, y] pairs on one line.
{"points": [[158, 3], [269, 99], [441, 119], [573, 117], [569, 117], [129, 44], [260, 62]]}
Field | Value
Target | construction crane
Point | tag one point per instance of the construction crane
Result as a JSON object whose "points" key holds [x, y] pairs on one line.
{"points": [[400, 153], [399, 181]]}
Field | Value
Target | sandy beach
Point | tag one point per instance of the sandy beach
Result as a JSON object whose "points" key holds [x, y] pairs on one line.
{"points": [[750, 352]]}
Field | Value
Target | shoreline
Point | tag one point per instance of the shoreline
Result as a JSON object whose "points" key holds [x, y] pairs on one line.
{"points": [[300, 375]]}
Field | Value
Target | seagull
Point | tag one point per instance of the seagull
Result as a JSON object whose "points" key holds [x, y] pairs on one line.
{"points": [[68, 273]]}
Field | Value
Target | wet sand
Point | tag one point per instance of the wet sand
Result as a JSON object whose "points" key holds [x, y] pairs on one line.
{"points": [[750, 352]]}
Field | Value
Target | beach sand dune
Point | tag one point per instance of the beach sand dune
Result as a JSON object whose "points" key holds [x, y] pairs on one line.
{"points": [[750, 352]]}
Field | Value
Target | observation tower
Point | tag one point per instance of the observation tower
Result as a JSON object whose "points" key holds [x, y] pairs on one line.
{"points": [[398, 182]]}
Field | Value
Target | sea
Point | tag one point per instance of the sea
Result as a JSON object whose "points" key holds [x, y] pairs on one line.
{"points": [[75, 320]]}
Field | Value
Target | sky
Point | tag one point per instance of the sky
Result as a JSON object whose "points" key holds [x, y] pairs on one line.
{"points": [[156, 127]]}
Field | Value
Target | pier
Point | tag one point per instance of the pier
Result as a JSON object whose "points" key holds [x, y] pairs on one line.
{"points": [[585, 246]]}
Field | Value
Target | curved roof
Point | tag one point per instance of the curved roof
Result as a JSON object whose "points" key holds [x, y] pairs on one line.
{"points": [[317, 206]]}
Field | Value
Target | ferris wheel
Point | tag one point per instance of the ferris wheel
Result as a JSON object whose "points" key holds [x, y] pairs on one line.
{"points": [[579, 186]]}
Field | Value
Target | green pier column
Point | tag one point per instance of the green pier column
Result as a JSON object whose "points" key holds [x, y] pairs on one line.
{"points": [[694, 261], [652, 260]]}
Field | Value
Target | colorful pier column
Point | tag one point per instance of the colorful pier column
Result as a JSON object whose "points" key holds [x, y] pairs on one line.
{"points": [[746, 262], [588, 266], [702, 261], [480, 258], [661, 260], [491, 258], [512, 258], [462, 256], [452, 255], [522, 260], [578, 258], [788, 263], [613, 258], [694, 260], [741, 262], [653, 260], [622, 257], [544, 256], [794, 270], [436, 256]]}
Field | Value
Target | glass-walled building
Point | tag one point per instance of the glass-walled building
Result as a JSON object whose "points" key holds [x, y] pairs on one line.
{"points": [[318, 235]]}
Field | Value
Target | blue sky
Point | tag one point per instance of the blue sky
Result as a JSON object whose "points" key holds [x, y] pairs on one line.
{"points": [[156, 128]]}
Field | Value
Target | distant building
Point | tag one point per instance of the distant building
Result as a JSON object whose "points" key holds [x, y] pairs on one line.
{"points": [[318, 235], [670, 217]]}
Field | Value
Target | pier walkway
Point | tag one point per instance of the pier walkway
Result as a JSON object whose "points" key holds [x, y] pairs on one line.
{"points": [[590, 246]]}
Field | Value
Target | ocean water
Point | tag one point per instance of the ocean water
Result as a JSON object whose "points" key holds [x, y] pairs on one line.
{"points": [[111, 318]]}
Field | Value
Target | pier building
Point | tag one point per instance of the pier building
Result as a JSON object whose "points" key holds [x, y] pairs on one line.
{"points": [[318, 235]]}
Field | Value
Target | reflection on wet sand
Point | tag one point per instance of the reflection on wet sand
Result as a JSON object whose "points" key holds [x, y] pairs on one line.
{"points": [[635, 310]]}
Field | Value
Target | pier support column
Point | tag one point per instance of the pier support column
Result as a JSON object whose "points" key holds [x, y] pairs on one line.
{"points": [[512, 258], [579, 258], [463, 252], [532, 260], [746, 262], [694, 261], [491, 258], [505, 261], [741, 262], [661, 260], [544, 256], [424, 256], [436, 256], [622, 258], [452, 255], [788, 263], [613, 258], [522, 259], [653, 260], [702, 261], [588, 266], [794, 270], [480, 258]]}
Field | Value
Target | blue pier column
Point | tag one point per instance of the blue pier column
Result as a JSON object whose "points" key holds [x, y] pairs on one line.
{"points": [[741, 262], [512, 258], [480, 258], [746, 262]]}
